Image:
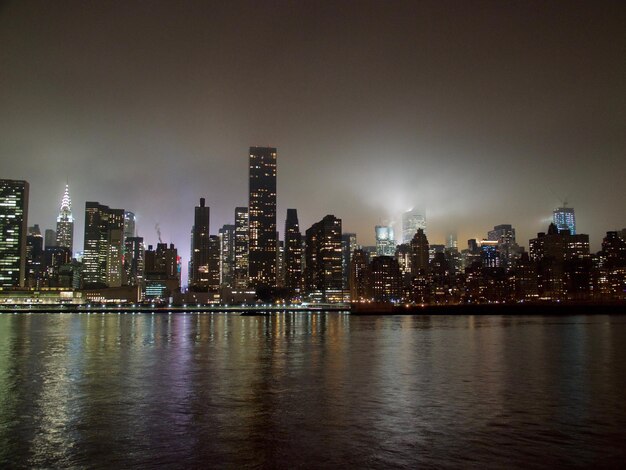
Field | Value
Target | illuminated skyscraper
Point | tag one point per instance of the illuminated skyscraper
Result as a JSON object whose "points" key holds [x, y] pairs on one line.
{"points": [[293, 253], [412, 220], [241, 248], [102, 256], [385, 241], [129, 224], [564, 219], [65, 222], [348, 245], [262, 217], [13, 232], [227, 250], [323, 273], [199, 273]]}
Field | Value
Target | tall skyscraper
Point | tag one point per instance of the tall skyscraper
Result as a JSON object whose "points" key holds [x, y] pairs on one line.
{"points": [[293, 253], [199, 275], [241, 248], [323, 273], [129, 224], [227, 250], [348, 245], [412, 220], [385, 241], [34, 258], [419, 252], [134, 255], [50, 238], [564, 219], [102, 255], [262, 217], [65, 222], [13, 232]]}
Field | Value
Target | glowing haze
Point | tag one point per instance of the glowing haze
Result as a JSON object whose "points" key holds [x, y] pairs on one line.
{"points": [[480, 112]]}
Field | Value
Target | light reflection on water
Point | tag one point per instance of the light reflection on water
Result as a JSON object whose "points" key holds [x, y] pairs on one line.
{"points": [[311, 389]]}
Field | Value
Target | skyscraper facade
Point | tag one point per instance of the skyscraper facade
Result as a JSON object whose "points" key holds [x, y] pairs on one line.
{"points": [[129, 224], [262, 217], [564, 219], [323, 273], [65, 222], [13, 232], [227, 250], [385, 241], [241, 248], [293, 253], [348, 245], [102, 255], [412, 220], [419, 252], [199, 272]]}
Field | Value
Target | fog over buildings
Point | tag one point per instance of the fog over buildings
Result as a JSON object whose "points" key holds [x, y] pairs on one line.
{"points": [[481, 113]]}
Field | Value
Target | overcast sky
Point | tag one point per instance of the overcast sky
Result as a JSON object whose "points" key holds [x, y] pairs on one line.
{"points": [[482, 113]]}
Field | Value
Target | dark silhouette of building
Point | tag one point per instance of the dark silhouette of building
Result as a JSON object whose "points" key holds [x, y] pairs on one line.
{"points": [[134, 261], [293, 254], [348, 245], [34, 258], [262, 217], [419, 252], [199, 266], [323, 271], [162, 276]]}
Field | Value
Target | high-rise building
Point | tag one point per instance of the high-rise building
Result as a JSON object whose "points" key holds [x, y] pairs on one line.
{"points": [[385, 241], [241, 248], [419, 252], [213, 264], [262, 217], [227, 250], [134, 255], [508, 249], [50, 238], [293, 253], [103, 254], [359, 276], [65, 222], [323, 274], [199, 272], [348, 245], [412, 220], [34, 258], [564, 219], [386, 279], [162, 271], [13, 232], [129, 224]]}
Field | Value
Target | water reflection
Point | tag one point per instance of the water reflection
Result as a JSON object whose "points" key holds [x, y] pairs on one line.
{"points": [[313, 389]]}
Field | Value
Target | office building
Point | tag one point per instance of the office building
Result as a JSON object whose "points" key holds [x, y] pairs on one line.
{"points": [[227, 236], [385, 241], [323, 270], [293, 254], [129, 224], [199, 266], [386, 279], [134, 261], [65, 223], [419, 252], [262, 217], [348, 245], [13, 232], [359, 276], [564, 219], [412, 220], [240, 274], [103, 250]]}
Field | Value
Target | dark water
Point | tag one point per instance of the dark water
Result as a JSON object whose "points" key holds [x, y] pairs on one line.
{"points": [[312, 390]]}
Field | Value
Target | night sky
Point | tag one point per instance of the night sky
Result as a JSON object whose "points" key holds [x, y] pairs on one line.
{"points": [[482, 113]]}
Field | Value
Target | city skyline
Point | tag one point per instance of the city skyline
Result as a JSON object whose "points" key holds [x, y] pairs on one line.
{"points": [[497, 123]]}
